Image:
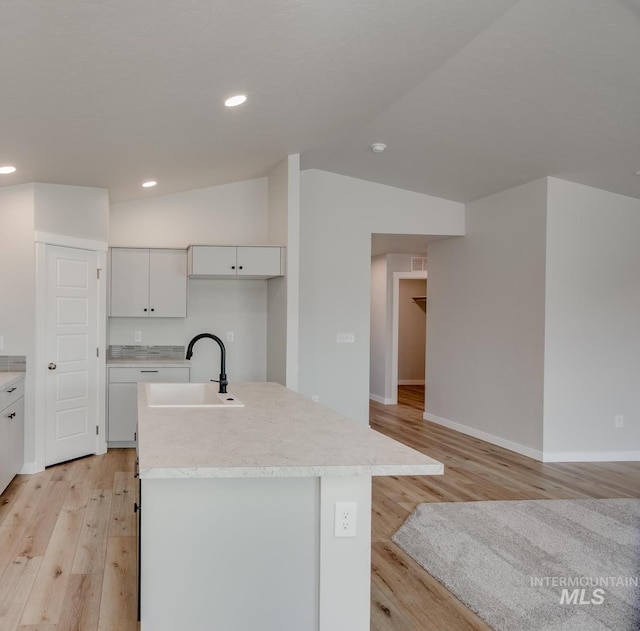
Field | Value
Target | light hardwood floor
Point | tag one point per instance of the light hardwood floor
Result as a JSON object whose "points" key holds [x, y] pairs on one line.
{"points": [[68, 547], [68, 540], [404, 596]]}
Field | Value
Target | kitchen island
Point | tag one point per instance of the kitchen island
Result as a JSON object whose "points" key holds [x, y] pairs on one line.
{"points": [[238, 519]]}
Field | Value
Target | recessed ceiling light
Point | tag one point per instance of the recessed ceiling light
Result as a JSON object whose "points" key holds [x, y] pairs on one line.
{"points": [[378, 147], [7, 169], [149, 184], [233, 101]]}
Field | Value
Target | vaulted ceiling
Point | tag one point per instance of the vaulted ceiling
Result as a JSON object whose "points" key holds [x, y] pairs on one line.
{"points": [[470, 97]]}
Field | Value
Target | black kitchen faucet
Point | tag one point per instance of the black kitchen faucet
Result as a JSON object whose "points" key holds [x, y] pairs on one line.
{"points": [[223, 374]]}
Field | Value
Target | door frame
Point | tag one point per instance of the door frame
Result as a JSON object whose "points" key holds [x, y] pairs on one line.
{"points": [[395, 326], [38, 439]]}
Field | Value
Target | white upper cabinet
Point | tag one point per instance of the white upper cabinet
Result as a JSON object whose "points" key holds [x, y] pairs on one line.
{"points": [[148, 283], [259, 261], [168, 283], [212, 260], [223, 261]]}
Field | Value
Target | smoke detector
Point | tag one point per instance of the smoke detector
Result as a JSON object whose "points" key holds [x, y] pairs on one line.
{"points": [[378, 147]]}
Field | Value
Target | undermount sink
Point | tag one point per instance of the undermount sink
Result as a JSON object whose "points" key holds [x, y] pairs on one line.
{"points": [[189, 395]]}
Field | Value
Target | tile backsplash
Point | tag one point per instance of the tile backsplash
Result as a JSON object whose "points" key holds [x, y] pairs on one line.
{"points": [[13, 363], [145, 352]]}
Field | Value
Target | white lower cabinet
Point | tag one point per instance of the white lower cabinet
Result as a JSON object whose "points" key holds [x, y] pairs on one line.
{"points": [[122, 397], [11, 432]]}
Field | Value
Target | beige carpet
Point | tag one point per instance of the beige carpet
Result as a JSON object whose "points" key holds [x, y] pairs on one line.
{"points": [[544, 565]]}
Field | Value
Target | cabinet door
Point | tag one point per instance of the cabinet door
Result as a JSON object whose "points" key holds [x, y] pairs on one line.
{"points": [[129, 282], [122, 396], [17, 436], [123, 411], [213, 260], [6, 469], [259, 261], [167, 283]]}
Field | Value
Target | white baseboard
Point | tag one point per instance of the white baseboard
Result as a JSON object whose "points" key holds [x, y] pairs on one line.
{"points": [[591, 456], [377, 399], [30, 468], [490, 438], [411, 382]]}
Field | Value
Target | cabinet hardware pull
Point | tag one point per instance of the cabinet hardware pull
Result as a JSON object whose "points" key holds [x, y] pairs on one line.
{"points": [[240, 267], [12, 414], [149, 371], [152, 309], [12, 389], [233, 267], [145, 309]]}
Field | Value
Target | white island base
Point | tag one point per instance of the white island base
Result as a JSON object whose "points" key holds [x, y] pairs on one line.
{"points": [[238, 512], [254, 554]]}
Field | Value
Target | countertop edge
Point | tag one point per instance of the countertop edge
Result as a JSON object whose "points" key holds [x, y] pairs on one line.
{"points": [[155, 473], [9, 378], [148, 363]]}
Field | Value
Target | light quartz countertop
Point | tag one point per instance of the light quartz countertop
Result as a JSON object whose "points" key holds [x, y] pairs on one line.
{"points": [[148, 363], [278, 433], [7, 379]]}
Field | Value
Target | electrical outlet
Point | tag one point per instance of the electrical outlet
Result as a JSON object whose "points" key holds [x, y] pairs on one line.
{"points": [[619, 421], [137, 336], [346, 338], [345, 521], [230, 336]]}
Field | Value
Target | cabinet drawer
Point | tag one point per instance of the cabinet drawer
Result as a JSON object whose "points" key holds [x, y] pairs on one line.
{"points": [[10, 394], [148, 373]]}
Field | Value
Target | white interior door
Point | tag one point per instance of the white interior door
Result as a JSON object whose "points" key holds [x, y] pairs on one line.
{"points": [[71, 342]]}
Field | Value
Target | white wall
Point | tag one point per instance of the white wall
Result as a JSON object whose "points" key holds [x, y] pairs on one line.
{"points": [[383, 268], [412, 331], [233, 214], [282, 298], [217, 215], [17, 270], [215, 306], [485, 321], [395, 263], [17, 290], [592, 345], [378, 329], [69, 211], [338, 216], [74, 211]]}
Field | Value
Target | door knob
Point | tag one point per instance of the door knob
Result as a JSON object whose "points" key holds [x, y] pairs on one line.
{"points": [[51, 366]]}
